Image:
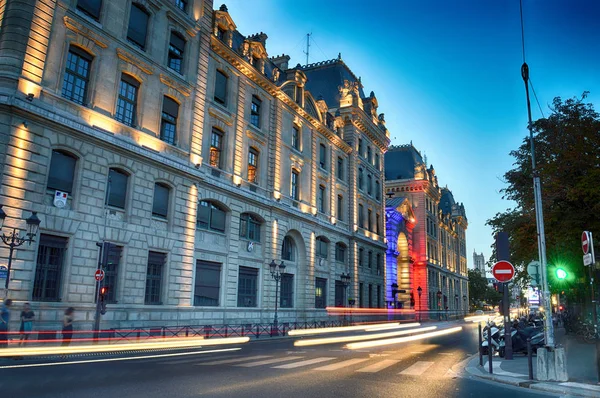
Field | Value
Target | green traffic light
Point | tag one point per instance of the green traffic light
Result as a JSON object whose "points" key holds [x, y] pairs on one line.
{"points": [[561, 273]]}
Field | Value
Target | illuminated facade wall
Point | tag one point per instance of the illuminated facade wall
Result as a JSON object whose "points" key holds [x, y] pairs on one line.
{"points": [[247, 219]]}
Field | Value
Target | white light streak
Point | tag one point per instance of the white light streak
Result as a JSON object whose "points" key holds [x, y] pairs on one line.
{"points": [[301, 332], [369, 344], [345, 339]]}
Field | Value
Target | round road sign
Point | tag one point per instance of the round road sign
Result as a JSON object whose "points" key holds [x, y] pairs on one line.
{"points": [[99, 275], [503, 271], [585, 242]]}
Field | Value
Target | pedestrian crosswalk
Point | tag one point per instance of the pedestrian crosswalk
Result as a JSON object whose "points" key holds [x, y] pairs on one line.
{"points": [[402, 365]]}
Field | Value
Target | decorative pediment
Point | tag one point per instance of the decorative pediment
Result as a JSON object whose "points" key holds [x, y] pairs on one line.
{"points": [[84, 32], [223, 19], [185, 90], [297, 162], [134, 61]]}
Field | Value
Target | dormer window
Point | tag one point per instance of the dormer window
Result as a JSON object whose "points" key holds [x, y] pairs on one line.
{"points": [[221, 33], [255, 61]]}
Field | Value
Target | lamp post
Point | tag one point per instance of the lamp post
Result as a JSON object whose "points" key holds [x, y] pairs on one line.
{"points": [[345, 278], [439, 297], [456, 305], [13, 239], [465, 304], [276, 273], [419, 291]]}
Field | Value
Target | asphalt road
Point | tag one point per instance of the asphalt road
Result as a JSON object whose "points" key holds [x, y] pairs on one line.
{"points": [[272, 368]]}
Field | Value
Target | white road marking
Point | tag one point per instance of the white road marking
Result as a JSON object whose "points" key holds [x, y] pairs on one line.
{"points": [[234, 360], [303, 363], [188, 360], [267, 362], [343, 364], [416, 369], [376, 367]]}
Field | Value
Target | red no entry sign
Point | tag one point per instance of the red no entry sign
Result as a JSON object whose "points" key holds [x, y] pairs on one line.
{"points": [[99, 275], [503, 271], [585, 242]]}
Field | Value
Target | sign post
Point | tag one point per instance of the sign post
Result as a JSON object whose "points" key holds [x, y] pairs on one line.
{"points": [[589, 259], [504, 272]]}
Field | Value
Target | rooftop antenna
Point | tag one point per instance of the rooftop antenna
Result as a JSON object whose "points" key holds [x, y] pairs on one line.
{"points": [[307, 46]]}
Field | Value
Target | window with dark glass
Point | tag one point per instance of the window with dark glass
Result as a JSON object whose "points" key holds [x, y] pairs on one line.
{"points": [[216, 142], [361, 216], [250, 227], [154, 276], [288, 249], [127, 101], [220, 33], [321, 199], [286, 297], [377, 191], [360, 179], [252, 165], [370, 220], [320, 292], [378, 302], [340, 168], [168, 124], [247, 287], [181, 4], [48, 269], [176, 49], [369, 154], [255, 111], [296, 137], [138, 25], [62, 171], [370, 259], [111, 272], [378, 264], [322, 247], [207, 286], [221, 88], [77, 75], [361, 252], [377, 224], [377, 161], [323, 156], [294, 188], [340, 207], [370, 296], [90, 7], [211, 216], [160, 205], [116, 191], [369, 184], [340, 252], [361, 301], [360, 146]]}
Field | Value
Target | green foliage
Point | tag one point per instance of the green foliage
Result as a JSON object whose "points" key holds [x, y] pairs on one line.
{"points": [[567, 152], [480, 292]]}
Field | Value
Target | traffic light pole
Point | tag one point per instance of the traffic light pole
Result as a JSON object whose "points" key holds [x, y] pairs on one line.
{"points": [[508, 350], [101, 265]]}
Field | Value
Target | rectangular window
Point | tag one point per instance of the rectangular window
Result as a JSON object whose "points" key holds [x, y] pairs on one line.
{"points": [[116, 192], [294, 189], [221, 88], [369, 184], [138, 26], [377, 224], [340, 207], [378, 264], [361, 300], [360, 146], [168, 124], [370, 259], [322, 248], [62, 172], [339, 294], [255, 112], [340, 168], [361, 216], [127, 101], [378, 302], [176, 49], [154, 275], [321, 199], [160, 204], [181, 4], [369, 155], [377, 191], [111, 272], [295, 137], [77, 75], [250, 227], [48, 269], [370, 297], [286, 297], [377, 161], [370, 220], [360, 179], [360, 256], [320, 292], [207, 286], [216, 141], [247, 287], [323, 156], [90, 7], [340, 253], [252, 165], [210, 217]]}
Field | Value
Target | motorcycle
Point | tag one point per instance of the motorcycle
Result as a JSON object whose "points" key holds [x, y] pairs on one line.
{"points": [[497, 337]]}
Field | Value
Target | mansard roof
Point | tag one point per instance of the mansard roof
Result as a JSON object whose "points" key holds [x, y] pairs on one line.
{"points": [[447, 201], [401, 161]]}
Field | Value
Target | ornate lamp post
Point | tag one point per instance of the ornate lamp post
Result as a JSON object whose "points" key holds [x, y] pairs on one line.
{"points": [[465, 304], [439, 297], [13, 239], [419, 291], [346, 278], [276, 273]]}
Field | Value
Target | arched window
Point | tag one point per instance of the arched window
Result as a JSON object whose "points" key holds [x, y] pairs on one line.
{"points": [[322, 247], [62, 171], [250, 227], [288, 249], [340, 252], [116, 192], [211, 216]]}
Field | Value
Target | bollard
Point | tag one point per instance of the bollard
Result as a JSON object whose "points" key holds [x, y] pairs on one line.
{"points": [[529, 359], [490, 352], [480, 348]]}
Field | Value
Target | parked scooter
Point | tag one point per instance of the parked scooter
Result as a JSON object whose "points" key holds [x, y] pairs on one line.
{"points": [[497, 337]]}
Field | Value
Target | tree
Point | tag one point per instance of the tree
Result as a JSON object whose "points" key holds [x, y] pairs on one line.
{"points": [[567, 152], [479, 290]]}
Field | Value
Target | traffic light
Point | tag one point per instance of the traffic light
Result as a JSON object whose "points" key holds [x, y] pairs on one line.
{"points": [[561, 274], [103, 293]]}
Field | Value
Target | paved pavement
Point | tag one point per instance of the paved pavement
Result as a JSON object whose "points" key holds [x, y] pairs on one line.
{"points": [[427, 368]]}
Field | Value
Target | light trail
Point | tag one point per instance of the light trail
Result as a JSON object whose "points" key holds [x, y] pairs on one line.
{"points": [[301, 332], [345, 339], [369, 344], [84, 349], [476, 318], [366, 311], [35, 365]]}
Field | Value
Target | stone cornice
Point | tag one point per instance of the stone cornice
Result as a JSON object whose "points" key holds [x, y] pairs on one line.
{"points": [[183, 89], [129, 58], [361, 121], [218, 114], [191, 29], [78, 28]]}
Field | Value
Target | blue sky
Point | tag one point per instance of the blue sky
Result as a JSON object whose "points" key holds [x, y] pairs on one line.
{"points": [[447, 74]]}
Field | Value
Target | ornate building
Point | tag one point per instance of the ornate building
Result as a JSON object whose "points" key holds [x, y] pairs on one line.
{"points": [[479, 262], [197, 157], [426, 254]]}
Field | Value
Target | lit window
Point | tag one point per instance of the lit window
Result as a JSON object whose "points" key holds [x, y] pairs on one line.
{"points": [[216, 142], [252, 165]]}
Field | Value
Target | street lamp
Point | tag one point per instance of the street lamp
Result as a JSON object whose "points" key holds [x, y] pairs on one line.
{"points": [[13, 239], [439, 297], [345, 278], [276, 273], [419, 291]]}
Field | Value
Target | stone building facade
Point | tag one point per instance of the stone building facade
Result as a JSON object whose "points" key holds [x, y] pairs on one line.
{"points": [[426, 235], [479, 263], [197, 157]]}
